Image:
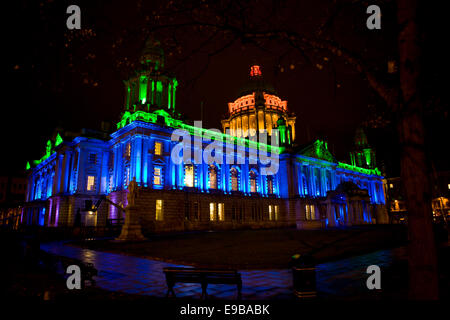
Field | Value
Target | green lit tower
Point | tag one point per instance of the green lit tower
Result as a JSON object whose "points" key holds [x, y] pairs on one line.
{"points": [[363, 155], [150, 87]]}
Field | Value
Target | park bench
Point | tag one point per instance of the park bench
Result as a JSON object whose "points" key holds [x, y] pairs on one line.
{"points": [[203, 276]]}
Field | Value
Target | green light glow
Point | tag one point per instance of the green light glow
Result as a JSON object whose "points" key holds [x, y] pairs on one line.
{"points": [[159, 86], [143, 89], [175, 85], [58, 140], [282, 130], [169, 95], [128, 97], [359, 169], [48, 153], [28, 165], [48, 150], [152, 90], [128, 118], [367, 156]]}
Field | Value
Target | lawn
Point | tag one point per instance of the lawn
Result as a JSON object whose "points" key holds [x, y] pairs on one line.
{"points": [[256, 249]]}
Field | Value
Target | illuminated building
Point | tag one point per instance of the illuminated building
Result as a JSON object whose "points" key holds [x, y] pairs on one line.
{"points": [[257, 109], [310, 189], [12, 197], [440, 194]]}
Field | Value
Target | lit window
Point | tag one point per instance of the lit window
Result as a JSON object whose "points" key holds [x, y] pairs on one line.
{"points": [[221, 211], [270, 184], [91, 183], [392, 186], [212, 211], [157, 176], [449, 186], [234, 179], [128, 150], [159, 210], [310, 214], [270, 212], [189, 175], [158, 148], [212, 177], [276, 212], [253, 186]]}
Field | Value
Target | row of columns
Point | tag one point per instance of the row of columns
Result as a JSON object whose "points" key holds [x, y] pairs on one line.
{"points": [[167, 95], [353, 212], [142, 162], [267, 119], [308, 173]]}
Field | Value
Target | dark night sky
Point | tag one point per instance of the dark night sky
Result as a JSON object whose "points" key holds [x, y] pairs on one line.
{"points": [[42, 93]]}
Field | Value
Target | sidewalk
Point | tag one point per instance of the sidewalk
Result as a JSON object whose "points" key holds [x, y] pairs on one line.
{"points": [[340, 279]]}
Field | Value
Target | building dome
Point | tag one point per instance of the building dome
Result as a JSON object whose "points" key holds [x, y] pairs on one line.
{"points": [[257, 109]]}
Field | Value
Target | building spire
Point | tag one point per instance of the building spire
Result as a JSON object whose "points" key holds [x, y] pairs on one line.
{"points": [[255, 71], [152, 54]]}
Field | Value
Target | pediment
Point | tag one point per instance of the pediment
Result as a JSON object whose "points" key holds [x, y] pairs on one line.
{"points": [[318, 150], [159, 162]]}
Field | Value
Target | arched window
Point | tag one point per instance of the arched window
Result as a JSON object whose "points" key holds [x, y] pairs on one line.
{"points": [[270, 184], [189, 175], [317, 181], [212, 177], [305, 184], [128, 151], [328, 180], [234, 179], [253, 182]]}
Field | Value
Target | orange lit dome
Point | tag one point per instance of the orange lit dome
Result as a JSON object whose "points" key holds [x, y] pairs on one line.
{"points": [[257, 108]]}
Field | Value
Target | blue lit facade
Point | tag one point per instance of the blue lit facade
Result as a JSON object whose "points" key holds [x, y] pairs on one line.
{"points": [[310, 189]]}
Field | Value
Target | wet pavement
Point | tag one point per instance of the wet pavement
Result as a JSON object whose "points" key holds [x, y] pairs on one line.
{"points": [[133, 275]]}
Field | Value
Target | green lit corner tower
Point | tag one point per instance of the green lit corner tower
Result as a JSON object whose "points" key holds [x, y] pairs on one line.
{"points": [[363, 155], [150, 87]]}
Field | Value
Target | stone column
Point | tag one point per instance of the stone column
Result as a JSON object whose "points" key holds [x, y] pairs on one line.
{"points": [[360, 213], [349, 214], [331, 216]]}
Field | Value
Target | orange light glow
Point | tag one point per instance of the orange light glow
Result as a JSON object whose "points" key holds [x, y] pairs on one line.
{"points": [[255, 71], [274, 102], [247, 102]]}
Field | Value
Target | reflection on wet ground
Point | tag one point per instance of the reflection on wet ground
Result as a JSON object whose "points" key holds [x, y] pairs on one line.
{"points": [[338, 279]]}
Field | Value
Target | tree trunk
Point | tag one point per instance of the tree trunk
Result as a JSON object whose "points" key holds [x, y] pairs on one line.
{"points": [[423, 272]]}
